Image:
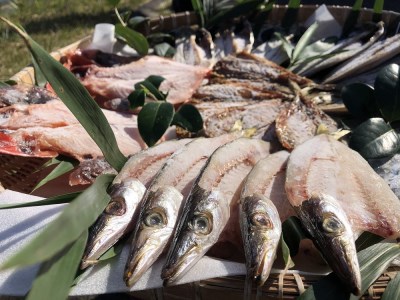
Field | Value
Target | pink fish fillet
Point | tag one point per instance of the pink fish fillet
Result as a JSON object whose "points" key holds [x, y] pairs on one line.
{"points": [[118, 82]]}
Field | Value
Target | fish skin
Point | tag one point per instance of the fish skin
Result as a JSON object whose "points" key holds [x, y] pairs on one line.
{"points": [[126, 192], [165, 195], [214, 197], [325, 181], [114, 221], [263, 208]]}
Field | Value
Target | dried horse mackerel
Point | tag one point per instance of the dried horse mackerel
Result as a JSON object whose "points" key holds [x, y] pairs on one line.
{"points": [[162, 202], [210, 213], [126, 193], [337, 196]]}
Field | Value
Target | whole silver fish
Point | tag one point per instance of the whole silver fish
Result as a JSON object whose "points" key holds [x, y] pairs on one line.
{"points": [[263, 206], [337, 196], [161, 204], [126, 193], [213, 199]]}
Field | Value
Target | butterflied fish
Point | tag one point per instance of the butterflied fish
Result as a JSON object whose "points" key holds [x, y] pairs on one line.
{"points": [[163, 200], [263, 206], [211, 210], [337, 196], [126, 193], [118, 82]]}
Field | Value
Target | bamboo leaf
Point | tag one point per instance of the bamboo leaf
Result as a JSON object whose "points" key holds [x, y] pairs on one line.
{"points": [[62, 168], [153, 120], [392, 290], [286, 254], [67, 227], [133, 38], [303, 42], [378, 8], [66, 198], [3, 84], [77, 99], [374, 261], [198, 7], [367, 239], [56, 275], [40, 79]]}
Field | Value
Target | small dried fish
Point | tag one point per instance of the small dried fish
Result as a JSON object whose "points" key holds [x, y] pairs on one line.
{"points": [[126, 193], [213, 199]]}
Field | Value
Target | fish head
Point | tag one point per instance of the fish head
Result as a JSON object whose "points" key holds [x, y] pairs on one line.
{"points": [[331, 230], [115, 220], [261, 231], [203, 220], [153, 231]]}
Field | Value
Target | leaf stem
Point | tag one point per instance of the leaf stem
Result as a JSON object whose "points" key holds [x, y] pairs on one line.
{"points": [[119, 17]]}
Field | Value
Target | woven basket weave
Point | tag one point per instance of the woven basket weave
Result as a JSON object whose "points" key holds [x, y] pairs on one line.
{"points": [[17, 174]]}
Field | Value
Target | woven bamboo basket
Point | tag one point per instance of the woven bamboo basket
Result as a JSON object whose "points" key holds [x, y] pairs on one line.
{"points": [[17, 175]]}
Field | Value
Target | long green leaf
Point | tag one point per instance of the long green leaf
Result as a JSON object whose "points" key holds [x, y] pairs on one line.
{"points": [[62, 168], [289, 263], [378, 8], [77, 99], [40, 79], [367, 239], [66, 198], [67, 227], [134, 39], [392, 290], [352, 18], [374, 261], [303, 42], [3, 84], [56, 275]]}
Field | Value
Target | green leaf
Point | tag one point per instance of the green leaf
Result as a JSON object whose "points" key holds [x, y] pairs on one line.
{"points": [[387, 92], [56, 275], [164, 50], [77, 99], [378, 8], [133, 38], [360, 101], [135, 21], [374, 139], [67, 227], [198, 7], [188, 117], [392, 290], [113, 251], [286, 254], [294, 3], [3, 84], [374, 261], [113, 2], [153, 120], [303, 42], [287, 46], [62, 168], [40, 79], [352, 18], [137, 98], [316, 49], [155, 80], [150, 86], [327, 288], [367, 239], [66, 198], [293, 233]]}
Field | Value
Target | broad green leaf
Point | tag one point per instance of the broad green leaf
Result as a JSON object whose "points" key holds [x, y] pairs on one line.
{"points": [[387, 92], [133, 38], [62, 168], [75, 218], [164, 50], [113, 2], [374, 261], [188, 117], [303, 42], [374, 139], [150, 87], [137, 98], [293, 233], [153, 120], [286, 254], [56, 275], [360, 101], [66, 198], [367, 239], [77, 99], [40, 79], [392, 290], [155, 80]]}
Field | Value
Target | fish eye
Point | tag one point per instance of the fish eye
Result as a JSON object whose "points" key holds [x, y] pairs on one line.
{"points": [[261, 220], [154, 219], [116, 207], [201, 224], [332, 225]]}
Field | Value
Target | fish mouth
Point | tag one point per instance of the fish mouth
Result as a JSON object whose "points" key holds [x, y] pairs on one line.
{"points": [[143, 257], [172, 272]]}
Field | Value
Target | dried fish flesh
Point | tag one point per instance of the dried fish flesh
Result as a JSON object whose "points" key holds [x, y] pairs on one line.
{"points": [[337, 196], [213, 199], [126, 193], [161, 204]]}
